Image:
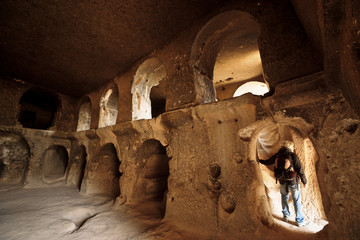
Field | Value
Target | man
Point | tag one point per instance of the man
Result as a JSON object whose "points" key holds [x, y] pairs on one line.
{"points": [[294, 165]]}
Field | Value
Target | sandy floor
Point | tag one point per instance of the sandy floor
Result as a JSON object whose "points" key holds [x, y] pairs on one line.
{"points": [[63, 213]]}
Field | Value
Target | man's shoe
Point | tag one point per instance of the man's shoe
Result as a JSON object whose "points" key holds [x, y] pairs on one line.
{"points": [[301, 224], [285, 218]]}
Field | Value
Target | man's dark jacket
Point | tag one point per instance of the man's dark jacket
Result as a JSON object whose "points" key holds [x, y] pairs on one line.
{"points": [[295, 162]]}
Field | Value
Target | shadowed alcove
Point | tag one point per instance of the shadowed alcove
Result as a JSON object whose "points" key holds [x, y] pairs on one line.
{"points": [[153, 177], [38, 109], [102, 173], [55, 163], [14, 158]]}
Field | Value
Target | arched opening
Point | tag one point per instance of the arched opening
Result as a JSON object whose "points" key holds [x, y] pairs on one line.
{"points": [[84, 119], [255, 88], [153, 182], [55, 163], [102, 173], [82, 163], [269, 141], [109, 107], [148, 93], [225, 55], [14, 158], [37, 109]]}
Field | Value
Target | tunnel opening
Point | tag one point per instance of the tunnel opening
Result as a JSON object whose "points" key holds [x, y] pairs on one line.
{"points": [[253, 87], [55, 163], [109, 107], [154, 176], [158, 100], [268, 142], [225, 55], [102, 173], [14, 159], [148, 91], [37, 109], [84, 118]]}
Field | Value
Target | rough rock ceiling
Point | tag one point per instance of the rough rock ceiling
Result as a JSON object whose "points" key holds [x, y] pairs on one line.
{"points": [[74, 47]]}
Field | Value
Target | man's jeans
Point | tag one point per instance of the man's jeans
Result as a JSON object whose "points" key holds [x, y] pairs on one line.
{"points": [[295, 193]]}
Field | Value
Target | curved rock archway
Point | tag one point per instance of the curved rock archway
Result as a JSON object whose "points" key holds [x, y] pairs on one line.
{"points": [[102, 173], [268, 142], [146, 101], [225, 55], [109, 107], [14, 158]]}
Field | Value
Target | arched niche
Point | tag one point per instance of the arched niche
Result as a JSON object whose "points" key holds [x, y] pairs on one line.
{"points": [[225, 54], [268, 141], [55, 163], [109, 107], [148, 95], [84, 119], [14, 158], [37, 109], [152, 184], [102, 173]]}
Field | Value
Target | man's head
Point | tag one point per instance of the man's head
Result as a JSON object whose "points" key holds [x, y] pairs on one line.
{"points": [[289, 145]]}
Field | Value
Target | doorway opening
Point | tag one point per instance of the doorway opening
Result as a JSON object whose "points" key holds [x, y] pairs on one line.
{"points": [[268, 142], [154, 176], [55, 164], [37, 109], [225, 55], [102, 175], [14, 158], [148, 91]]}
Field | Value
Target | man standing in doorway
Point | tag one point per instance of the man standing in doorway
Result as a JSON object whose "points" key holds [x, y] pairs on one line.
{"points": [[294, 171]]}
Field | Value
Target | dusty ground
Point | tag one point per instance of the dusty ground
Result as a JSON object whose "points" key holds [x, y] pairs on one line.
{"points": [[63, 213]]}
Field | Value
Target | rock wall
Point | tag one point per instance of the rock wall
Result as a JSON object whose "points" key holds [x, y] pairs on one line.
{"points": [[198, 164], [11, 92], [27, 151]]}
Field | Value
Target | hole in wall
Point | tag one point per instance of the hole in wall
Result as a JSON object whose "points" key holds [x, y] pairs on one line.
{"points": [[148, 90], [230, 59], [269, 141], [55, 163], [155, 172], [37, 109], [158, 100], [255, 88], [14, 158], [102, 173]]}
